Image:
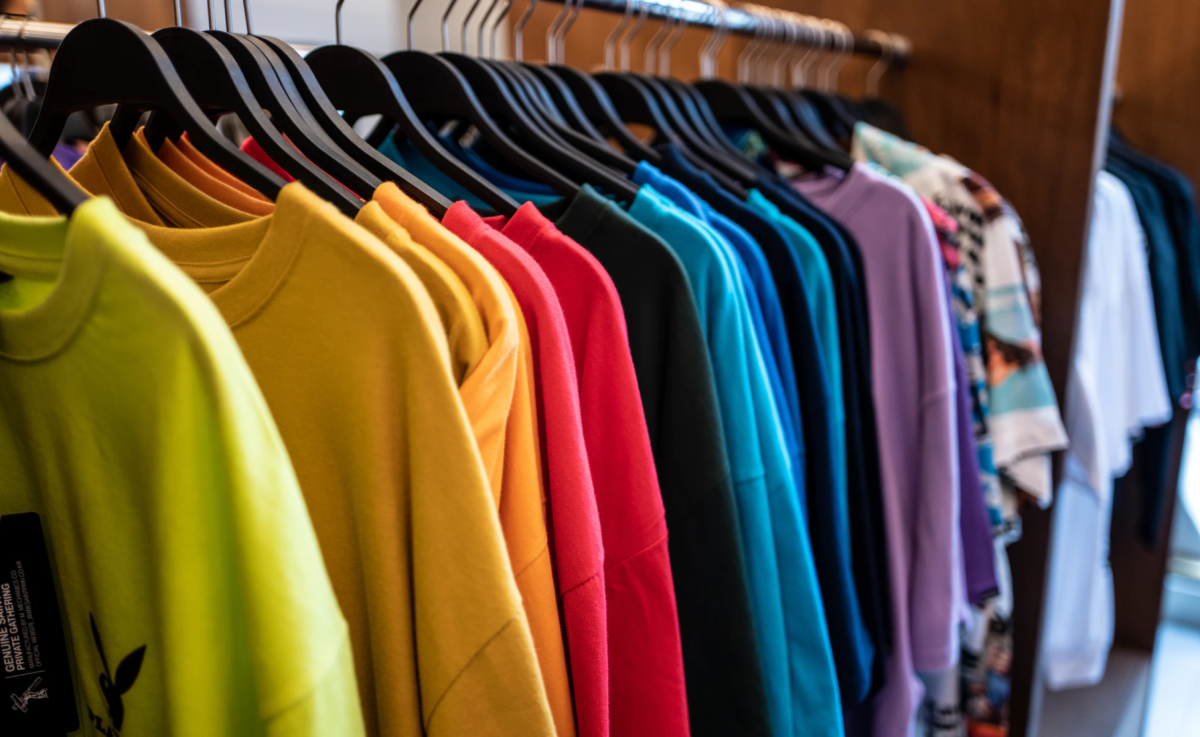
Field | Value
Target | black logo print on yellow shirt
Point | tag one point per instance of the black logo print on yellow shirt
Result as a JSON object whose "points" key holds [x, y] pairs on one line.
{"points": [[112, 687]]}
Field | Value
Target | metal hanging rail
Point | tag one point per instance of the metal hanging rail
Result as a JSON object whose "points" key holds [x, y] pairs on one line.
{"points": [[24, 33], [742, 23]]}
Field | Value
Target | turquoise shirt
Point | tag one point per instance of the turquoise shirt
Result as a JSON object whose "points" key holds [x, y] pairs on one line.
{"points": [[789, 615]]}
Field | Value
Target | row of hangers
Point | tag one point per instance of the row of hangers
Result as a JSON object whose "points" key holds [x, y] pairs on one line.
{"points": [[553, 123]]}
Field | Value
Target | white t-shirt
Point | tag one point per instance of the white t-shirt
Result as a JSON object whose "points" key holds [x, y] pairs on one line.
{"points": [[1117, 386]]}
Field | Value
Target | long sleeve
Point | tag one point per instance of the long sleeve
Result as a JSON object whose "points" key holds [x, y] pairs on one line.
{"points": [[937, 545]]}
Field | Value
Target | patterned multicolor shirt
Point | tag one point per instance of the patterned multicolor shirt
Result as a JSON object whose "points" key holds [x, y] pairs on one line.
{"points": [[1018, 408]]}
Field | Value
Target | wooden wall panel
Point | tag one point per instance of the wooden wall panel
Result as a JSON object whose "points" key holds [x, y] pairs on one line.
{"points": [[147, 14], [1158, 74]]}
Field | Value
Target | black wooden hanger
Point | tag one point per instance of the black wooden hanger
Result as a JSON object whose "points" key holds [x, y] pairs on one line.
{"points": [[344, 137], [300, 129], [217, 84], [359, 84], [435, 88], [104, 61], [530, 92], [58, 189]]}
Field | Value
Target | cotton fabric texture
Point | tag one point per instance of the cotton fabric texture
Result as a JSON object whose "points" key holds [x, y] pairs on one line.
{"points": [[204, 562]]}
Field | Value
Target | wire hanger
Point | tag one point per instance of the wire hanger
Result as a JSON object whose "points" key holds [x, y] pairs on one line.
{"points": [[435, 88], [104, 61], [359, 84]]}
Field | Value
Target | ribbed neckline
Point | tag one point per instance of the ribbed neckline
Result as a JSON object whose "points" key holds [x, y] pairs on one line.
{"points": [[72, 252], [250, 259]]}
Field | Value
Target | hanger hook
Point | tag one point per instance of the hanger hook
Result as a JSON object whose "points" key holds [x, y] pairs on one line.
{"points": [[249, 18], [483, 28], [178, 14], [552, 32], [847, 38], [651, 52], [887, 51], [496, 23], [446, 25], [802, 74], [210, 15], [465, 25], [611, 39], [337, 21], [743, 60], [634, 30], [561, 52], [100, 11], [792, 33], [519, 31], [664, 51], [714, 42]]}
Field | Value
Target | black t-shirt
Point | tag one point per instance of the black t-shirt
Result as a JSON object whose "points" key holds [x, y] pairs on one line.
{"points": [[725, 687]]}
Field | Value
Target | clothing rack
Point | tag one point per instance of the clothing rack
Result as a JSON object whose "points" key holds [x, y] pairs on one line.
{"points": [[742, 23], [16, 31]]}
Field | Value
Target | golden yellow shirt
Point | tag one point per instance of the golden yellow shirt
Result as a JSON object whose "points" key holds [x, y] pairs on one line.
{"points": [[492, 362], [349, 353]]}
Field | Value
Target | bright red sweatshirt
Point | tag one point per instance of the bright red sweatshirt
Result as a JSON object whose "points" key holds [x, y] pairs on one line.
{"points": [[575, 523], [648, 693]]}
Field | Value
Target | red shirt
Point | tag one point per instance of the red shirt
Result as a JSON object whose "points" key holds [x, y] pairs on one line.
{"points": [[648, 692], [574, 521]]}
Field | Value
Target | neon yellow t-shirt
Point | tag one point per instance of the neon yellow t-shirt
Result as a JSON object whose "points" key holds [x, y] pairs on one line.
{"points": [[131, 423], [349, 352]]}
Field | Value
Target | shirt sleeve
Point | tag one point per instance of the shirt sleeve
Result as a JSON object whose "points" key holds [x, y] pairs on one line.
{"points": [[937, 551]]}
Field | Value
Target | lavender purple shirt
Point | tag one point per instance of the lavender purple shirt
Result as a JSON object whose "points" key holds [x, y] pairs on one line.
{"points": [[912, 375]]}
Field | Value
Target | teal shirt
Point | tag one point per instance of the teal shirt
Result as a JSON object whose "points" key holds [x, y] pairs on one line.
{"points": [[786, 602]]}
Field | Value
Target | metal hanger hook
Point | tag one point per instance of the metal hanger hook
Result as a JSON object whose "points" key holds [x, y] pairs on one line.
{"points": [[650, 60], [610, 40], [249, 18], [626, 42], [337, 22], [100, 11], [178, 14], [743, 60], [879, 68], [496, 23], [714, 42], [664, 51], [847, 51], [446, 25], [483, 28], [552, 32], [561, 52], [466, 24], [519, 31]]}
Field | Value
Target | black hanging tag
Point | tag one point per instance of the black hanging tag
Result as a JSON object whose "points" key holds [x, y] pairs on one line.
{"points": [[37, 694]]}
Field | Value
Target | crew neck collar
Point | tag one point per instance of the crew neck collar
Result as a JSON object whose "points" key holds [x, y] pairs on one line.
{"points": [[70, 250], [250, 260]]}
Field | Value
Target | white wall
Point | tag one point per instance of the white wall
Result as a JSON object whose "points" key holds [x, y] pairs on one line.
{"points": [[374, 25]]}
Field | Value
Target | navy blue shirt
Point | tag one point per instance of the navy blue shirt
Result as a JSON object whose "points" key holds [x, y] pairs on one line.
{"points": [[853, 647]]}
